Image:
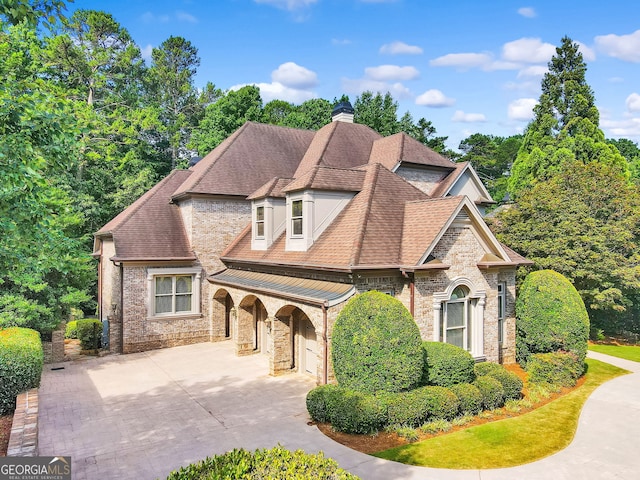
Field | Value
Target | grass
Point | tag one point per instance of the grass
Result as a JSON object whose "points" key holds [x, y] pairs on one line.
{"points": [[508, 442], [628, 352]]}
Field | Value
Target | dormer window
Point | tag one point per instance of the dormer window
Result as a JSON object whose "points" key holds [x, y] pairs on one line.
{"points": [[296, 218], [259, 225]]}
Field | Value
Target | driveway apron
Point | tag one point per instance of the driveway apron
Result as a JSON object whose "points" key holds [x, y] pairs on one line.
{"points": [[140, 416]]}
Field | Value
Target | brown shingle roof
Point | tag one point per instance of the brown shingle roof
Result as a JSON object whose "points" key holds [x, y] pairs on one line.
{"points": [[443, 187], [328, 178], [338, 144], [273, 188], [400, 147], [241, 163], [151, 228]]}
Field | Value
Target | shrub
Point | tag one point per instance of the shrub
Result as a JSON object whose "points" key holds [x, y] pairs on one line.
{"points": [[446, 364], [269, 464], [556, 368], [352, 411], [89, 333], [491, 391], [441, 402], [71, 330], [21, 360], [469, 396], [376, 345], [415, 407], [318, 399], [550, 316], [510, 381]]}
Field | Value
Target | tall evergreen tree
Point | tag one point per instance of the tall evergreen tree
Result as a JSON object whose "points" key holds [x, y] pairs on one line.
{"points": [[565, 126]]}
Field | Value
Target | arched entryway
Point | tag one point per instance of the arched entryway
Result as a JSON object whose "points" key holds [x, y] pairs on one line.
{"points": [[222, 313], [252, 333], [295, 342]]}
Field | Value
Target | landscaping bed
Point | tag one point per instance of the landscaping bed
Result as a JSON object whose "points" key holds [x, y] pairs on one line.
{"points": [[5, 432]]}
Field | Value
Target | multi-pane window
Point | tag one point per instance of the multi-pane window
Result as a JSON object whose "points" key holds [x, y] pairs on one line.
{"points": [[173, 294], [260, 222], [456, 319], [502, 301], [296, 217]]}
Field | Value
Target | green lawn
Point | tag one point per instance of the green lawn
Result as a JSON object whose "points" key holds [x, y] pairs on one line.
{"points": [[628, 352], [511, 441]]}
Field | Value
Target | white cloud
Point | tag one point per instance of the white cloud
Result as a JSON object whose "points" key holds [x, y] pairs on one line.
{"points": [[615, 79], [294, 76], [289, 5], [340, 41], [186, 17], [463, 117], [462, 60], [400, 48], [277, 91], [146, 52], [521, 109], [435, 99], [149, 17], [627, 128], [588, 53], [528, 12], [533, 71], [633, 102], [624, 47], [357, 86], [528, 50], [385, 73]]}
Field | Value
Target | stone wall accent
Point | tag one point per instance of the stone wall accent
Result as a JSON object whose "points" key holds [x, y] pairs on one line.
{"points": [[54, 350], [421, 178], [23, 440]]}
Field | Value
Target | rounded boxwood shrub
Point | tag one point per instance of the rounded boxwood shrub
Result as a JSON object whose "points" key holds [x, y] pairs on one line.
{"points": [[550, 317], [376, 345], [469, 396], [422, 404], [352, 411], [556, 368], [21, 360], [442, 403], [275, 463], [491, 391], [510, 381], [446, 365], [89, 333], [318, 399], [71, 330]]}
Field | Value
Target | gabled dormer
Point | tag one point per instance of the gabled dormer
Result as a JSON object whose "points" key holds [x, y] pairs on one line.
{"points": [[268, 205]]}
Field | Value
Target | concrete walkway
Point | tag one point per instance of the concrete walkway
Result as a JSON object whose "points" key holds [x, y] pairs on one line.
{"points": [[140, 416]]}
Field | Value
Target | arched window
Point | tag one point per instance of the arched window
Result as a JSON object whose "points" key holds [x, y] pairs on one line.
{"points": [[457, 319]]}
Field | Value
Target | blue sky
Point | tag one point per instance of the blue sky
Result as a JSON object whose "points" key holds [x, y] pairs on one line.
{"points": [[468, 66]]}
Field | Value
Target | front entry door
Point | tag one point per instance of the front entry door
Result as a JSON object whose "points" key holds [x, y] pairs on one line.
{"points": [[310, 349]]}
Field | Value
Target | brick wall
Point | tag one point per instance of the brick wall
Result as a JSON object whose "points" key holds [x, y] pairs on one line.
{"points": [[421, 178]]}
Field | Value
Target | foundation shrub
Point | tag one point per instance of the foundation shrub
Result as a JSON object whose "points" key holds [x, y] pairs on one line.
{"points": [[89, 333], [71, 330], [446, 364], [469, 397], [276, 463], [352, 411], [550, 317], [557, 368], [491, 391], [21, 360], [510, 381], [376, 345], [318, 400]]}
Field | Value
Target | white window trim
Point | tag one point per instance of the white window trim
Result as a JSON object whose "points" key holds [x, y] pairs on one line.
{"points": [[292, 218], [195, 272], [263, 221], [477, 327]]}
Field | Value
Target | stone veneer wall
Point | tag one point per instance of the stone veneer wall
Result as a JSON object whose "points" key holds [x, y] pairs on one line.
{"points": [[423, 179], [23, 439], [54, 350]]}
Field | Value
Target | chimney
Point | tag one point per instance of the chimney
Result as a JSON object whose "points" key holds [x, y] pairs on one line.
{"points": [[343, 112]]}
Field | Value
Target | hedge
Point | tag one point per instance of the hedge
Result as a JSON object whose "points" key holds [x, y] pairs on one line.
{"points": [[557, 368], [89, 333], [491, 390], [446, 365], [318, 399], [276, 463], [376, 345], [21, 360], [469, 397], [510, 381], [352, 411], [415, 407], [71, 330], [550, 317]]}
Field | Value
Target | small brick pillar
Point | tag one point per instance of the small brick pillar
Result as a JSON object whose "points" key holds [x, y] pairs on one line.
{"points": [[280, 338], [23, 441], [54, 350]]}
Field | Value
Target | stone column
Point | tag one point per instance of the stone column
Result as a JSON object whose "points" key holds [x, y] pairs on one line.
{"points": [[245, 334], [280, 339]]}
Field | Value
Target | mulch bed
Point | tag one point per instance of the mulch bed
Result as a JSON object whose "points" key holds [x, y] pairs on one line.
{"points": [[385, 440], [5, 431]]}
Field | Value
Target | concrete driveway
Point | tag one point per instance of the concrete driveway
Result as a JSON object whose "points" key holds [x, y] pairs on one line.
{"points": [[140, 416]]}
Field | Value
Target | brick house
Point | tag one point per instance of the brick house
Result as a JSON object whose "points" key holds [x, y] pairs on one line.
{"points": [[263, 241]]}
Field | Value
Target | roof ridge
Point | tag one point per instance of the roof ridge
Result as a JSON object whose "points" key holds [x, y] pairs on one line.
{"points": [[363, 222], [326, 144]]}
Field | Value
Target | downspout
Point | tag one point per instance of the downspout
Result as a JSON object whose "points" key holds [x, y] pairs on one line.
{"points": [[325, 359], [100, 265]]}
